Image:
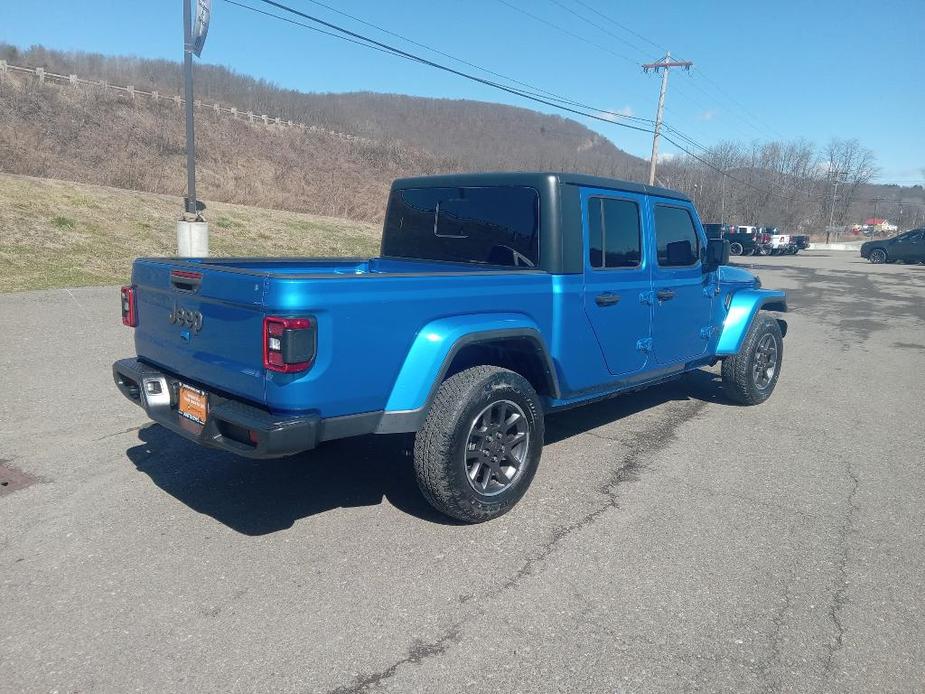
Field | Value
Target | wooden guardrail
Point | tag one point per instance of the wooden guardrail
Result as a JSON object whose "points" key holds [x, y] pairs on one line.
{"points": [[42, 76]]}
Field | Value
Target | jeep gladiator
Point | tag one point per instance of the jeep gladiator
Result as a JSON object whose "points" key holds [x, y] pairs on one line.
{"points": [[497, 299]]}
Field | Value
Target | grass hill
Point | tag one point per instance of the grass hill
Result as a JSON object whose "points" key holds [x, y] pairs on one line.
{"points": [[62, 234]]}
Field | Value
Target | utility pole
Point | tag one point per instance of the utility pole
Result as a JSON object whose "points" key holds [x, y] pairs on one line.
{"points": [[837, 177], [665, 64], [877, 201]]}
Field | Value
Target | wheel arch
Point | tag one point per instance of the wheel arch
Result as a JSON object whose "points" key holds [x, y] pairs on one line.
{"points": [[743, 307], [439, 351]]}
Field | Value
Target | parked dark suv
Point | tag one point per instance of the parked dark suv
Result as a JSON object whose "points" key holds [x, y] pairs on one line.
{"points": [[908, 247]]}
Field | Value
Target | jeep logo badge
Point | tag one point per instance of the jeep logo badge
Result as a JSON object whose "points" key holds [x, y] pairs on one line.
{"points": [[182, 316]]}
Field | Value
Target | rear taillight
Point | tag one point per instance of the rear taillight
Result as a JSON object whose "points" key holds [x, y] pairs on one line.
{"points": [[129, 314], [288, 343]]}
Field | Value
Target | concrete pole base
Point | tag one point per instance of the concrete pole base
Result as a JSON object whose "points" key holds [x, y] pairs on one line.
{"points": [[192, 239]]}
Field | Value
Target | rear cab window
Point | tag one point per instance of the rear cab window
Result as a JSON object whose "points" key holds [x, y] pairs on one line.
{"points": [[676, 240], [496, 225]]}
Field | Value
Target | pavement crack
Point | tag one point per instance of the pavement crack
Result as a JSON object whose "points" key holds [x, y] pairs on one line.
{"points": [[79, 305], [840, 584], [119, 433], [645, 443], [771, 682], [418, 653], [601, 436]]}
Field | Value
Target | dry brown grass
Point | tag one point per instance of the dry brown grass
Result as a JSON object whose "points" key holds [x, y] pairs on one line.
{"points": [[62, 234]]}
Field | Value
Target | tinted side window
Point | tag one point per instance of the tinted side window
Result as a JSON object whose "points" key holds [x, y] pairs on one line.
{"points": [[491, 225], [676, 239], [614, 236]]}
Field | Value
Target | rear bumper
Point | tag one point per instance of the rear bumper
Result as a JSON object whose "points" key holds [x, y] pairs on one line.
{"points": [[232, 425]]}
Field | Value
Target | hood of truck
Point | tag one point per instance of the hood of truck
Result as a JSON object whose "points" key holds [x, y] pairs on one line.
{"points": [[733, 276]]}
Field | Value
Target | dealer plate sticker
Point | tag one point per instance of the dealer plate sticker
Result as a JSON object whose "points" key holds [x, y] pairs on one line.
{"points": [[193, 404]]}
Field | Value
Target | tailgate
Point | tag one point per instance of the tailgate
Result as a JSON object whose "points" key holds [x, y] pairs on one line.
{"points": [[203, 323]]}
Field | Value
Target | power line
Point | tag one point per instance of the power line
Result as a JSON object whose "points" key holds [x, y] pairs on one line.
{"points": [[432, 49], [603, 48], [307, 26], [365, 41], [622, 26], [567, 32], [745, 109], [596, 25], [369, 42], [697, 71]]}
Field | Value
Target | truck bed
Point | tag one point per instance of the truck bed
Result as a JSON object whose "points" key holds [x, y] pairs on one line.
{"points": [[379, 312]]}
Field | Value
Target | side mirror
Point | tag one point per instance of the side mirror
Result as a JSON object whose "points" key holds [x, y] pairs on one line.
{"points": [[716, 254]]}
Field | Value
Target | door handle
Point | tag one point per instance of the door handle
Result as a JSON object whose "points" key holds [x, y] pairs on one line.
{"points": [[664, 294], [607, 299]]}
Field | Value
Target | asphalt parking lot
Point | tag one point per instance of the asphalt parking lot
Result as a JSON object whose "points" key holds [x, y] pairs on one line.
{"points": [[670, 542]]}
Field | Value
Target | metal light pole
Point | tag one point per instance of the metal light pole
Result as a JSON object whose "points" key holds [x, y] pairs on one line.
{"points": [[192, 230], [190, 127]]}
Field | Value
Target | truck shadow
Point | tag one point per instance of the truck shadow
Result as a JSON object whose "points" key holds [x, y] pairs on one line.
{"points": [[257, 497]]}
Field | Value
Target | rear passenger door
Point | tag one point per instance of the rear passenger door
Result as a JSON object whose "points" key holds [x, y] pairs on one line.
{"points": [[682, 292], [617, 277], [910, 246]]}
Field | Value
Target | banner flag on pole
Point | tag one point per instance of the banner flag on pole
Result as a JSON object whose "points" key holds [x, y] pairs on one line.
{"points": [[201, 25]]}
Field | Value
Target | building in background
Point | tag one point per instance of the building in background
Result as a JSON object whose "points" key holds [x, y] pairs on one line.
{"points": [[879, 226]]}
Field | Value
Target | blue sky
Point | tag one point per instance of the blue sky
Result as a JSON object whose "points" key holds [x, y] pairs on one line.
{"points": [[817, 69]]}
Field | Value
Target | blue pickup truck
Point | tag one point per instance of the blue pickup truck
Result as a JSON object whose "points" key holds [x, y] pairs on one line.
{"points": [[497, 299]]}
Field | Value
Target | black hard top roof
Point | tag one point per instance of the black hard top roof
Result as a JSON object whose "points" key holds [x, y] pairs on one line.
{"points": [[536, 179]]}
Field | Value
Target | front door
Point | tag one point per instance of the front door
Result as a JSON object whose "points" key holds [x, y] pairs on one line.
{"points": [[681, 292], [617, 277]]}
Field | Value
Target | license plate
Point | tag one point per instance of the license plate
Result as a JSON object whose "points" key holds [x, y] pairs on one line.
{"points": [[193, 404]]}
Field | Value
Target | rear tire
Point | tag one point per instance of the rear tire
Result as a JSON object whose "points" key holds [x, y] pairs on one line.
{"points": [[750, 376], [473, 462], [735, 248]]}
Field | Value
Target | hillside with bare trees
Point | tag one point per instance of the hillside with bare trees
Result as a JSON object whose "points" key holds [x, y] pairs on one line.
{"points": [[350, 146]]}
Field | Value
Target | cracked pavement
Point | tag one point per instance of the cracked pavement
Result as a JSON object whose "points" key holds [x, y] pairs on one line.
{"points": [[670, 541]]}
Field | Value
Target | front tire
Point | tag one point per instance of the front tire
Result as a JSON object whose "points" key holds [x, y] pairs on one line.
{"points": [[877, 256], [750, 376], [480, 445], [735, 248]]}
